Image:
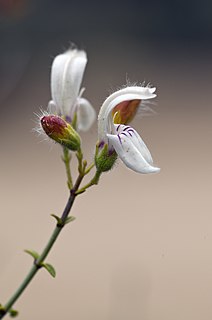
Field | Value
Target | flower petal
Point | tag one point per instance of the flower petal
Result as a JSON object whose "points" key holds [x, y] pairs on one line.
{"points": [[131, 154], [126, 94], [86, 114], [136, 140], [52, 108], [66, 77]]}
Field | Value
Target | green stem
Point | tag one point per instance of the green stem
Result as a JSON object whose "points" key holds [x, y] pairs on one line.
{"points": [[67, 158], [37, 263], [89, 168], [93, 181], [80, 162]]}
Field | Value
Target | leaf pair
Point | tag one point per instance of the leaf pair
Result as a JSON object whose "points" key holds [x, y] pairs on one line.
{"points": [[60, 222], [47, 266]]}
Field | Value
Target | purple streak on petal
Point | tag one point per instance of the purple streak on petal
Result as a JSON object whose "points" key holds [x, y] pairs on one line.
{"points": [[101, 144], [119, 139], [111, 151], [124, 133], [68, 119], [131, 130], [117, 129], [126, 128]]}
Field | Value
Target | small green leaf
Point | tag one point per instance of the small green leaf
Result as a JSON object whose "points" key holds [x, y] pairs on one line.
{"points": [[2, 310], [32, 253], [50, 269], [13, 313], [59, 221], [69, 219]]}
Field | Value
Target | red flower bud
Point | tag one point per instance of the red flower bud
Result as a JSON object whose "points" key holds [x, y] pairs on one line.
{"points": [[61, 131]]}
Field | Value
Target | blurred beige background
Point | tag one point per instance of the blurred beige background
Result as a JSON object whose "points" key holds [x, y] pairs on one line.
{"points": [[140, 247]]}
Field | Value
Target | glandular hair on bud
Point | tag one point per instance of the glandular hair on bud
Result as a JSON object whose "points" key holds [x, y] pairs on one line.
{"points": [[61, 131], [104, 158]]}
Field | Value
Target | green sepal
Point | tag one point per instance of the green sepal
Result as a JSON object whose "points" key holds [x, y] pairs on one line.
{"points": [[69, 219], [49, 268], [13, 313], [74, 121], [33, 253], [104, 159]]}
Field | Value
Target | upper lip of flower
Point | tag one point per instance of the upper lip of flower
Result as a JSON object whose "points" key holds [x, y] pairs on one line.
{"points": [[126, 94], [66, 77], [124, 139]]}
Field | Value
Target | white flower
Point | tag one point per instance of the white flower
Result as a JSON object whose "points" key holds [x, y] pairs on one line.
{"points": [[122, 138], [66, 77]]}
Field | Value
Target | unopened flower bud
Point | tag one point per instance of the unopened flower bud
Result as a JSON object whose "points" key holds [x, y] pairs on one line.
{"points": [[61, 131], [104, 158], [125, 111]]}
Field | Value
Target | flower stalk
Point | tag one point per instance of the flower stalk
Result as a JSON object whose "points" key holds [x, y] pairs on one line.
{"points": [[94, 181], [61, 222], [67, 159]]}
